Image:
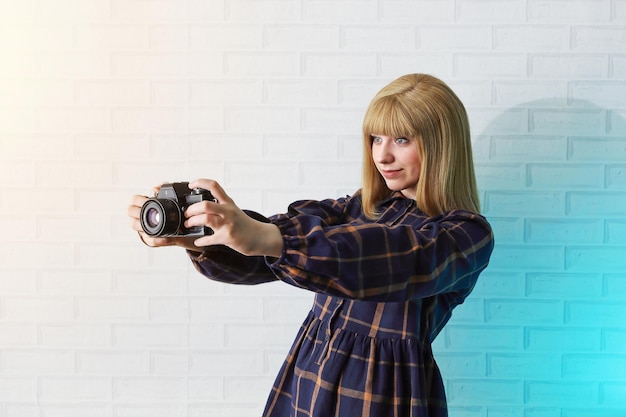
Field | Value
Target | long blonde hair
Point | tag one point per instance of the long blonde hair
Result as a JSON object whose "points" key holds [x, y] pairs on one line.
{"points": [[423, 107]]}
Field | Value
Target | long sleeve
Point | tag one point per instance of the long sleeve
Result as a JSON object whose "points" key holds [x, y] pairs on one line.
{"points": [[407, 255]]}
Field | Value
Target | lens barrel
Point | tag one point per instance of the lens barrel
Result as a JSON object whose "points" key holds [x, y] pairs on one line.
{"points": [[160, 217]]}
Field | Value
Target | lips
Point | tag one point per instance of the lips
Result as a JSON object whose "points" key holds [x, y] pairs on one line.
{"points": [[390, 173]]}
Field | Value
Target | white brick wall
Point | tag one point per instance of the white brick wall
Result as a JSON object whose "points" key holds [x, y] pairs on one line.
{"points": [[101, 99]]}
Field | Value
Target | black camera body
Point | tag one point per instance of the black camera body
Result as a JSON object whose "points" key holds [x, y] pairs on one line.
{"points": [[164, 214]]}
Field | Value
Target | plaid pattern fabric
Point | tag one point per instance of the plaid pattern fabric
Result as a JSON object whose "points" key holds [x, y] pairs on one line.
{"points": [[384, 290]]}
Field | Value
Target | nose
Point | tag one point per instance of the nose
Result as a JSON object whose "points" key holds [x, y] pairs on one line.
{"points": [[382, 152]]}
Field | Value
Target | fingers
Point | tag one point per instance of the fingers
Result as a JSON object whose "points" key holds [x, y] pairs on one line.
{"points": [[214, 187]]}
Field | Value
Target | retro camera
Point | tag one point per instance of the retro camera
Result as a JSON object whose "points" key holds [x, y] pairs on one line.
{"points": [[163, 215]]}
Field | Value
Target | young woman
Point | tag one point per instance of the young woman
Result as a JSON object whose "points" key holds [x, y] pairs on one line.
{"points": [[388, 264]]}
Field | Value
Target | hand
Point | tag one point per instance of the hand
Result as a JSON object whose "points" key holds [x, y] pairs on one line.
{"points": [[134, 211], [231, 226]]}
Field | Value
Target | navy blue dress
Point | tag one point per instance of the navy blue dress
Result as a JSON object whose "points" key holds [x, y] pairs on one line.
{"points": [[384, 290]]}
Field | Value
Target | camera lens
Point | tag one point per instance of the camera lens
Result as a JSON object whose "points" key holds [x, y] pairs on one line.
{"points": [[160, 217], [153, 217]]}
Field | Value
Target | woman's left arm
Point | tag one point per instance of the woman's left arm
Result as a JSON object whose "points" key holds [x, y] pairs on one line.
{"points": [[378, 262]]}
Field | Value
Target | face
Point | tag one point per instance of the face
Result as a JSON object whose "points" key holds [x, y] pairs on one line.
{"points": [[398, 161]]}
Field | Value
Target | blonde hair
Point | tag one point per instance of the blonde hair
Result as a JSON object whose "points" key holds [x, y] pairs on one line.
{"points": [[423, 107]]}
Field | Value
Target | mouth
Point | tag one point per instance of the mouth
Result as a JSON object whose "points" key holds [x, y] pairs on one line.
{"points": [[390, 173]]}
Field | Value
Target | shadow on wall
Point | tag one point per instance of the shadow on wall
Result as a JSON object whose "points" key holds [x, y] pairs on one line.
{"points": [[553, 300]]}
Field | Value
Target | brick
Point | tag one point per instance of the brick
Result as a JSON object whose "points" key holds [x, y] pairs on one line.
{"points": [[598, 38], [60, 281], [492, 176], [300, 37], [111, 37], [492, 392], [75, 65], [142, 64], [510, 11], [253, 390], [523, 366], [258, 120], [88, 147], [169, 309], [367, 38], [615, 286], [106, 92], [455, 38], [207, 309], [528, 203], [618, 66], [616, 177], [332, 120], [339, 64], [571, 176], [230, 362], [493, 284], [571, 122], [169, 37], [76, 10], [149, 335], [170, 363], [148, 410], [592, 259], [305, 147], [202, 11], [537, 38], [73, 119], [524, 311], [564, 231], [530, 93], [572, 66], [617, 123], [225, 37], [423, 11], [141, 120], [206, 64], [348, 174], [597, 149], [17, 335], [206, 388], [591, 313], [162, 389], [268, 11], [240, 175], [570, 286], [72, 388], [567, 11], [223, 92], [70, 335], [341, 12], [498, 121], [528, 258], [471, 338], [599, 367], [601, 94], [17, 93], [109, 362], [111, 308], [205, 119], [58, 410], [459, 365], [259, 335], [37, 255], [396, 64], [18, 280], [612, 395], [551, 338], [508, 230], [490, 65], [614, 340], [528, 148], [163, 282], [558, 392], [285, 309], [170, 93], [94, 174], [18, 388], [255, 64], [295, 92]]}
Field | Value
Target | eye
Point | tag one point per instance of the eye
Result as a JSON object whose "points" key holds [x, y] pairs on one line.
{"points": [[375, 139], [402, 140]]}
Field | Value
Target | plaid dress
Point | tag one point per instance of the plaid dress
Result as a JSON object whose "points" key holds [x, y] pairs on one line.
{"points": [[384, 290]]}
